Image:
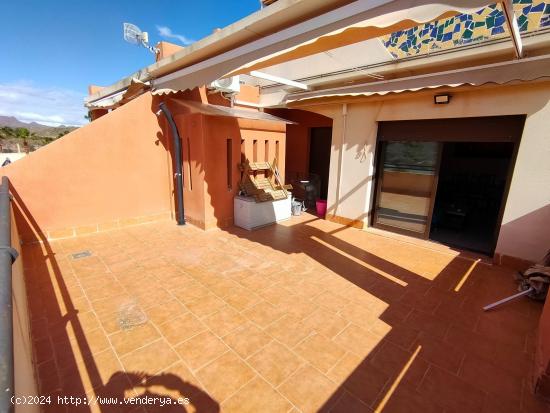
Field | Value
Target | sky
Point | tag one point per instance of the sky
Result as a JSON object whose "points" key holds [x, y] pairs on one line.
{"points": [[52, 50]]}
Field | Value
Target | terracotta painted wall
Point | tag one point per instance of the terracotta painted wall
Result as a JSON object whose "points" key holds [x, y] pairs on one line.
{"points": [[111, 172], [244, 133], [221, 182], [94, 89], [297, 157], [209, 195], [166, 49], [118, 170], [249, 94], [297, 148], [524, 232]]}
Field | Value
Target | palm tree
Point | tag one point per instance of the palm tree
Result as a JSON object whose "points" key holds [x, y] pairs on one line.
{"points": [[22, 133]]}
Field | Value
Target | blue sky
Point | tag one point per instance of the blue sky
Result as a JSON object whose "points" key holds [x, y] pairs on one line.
{"points": [[53, 49]]}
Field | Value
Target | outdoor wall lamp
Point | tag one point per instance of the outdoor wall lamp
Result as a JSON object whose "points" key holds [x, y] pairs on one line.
{"points": [[442, 99]]}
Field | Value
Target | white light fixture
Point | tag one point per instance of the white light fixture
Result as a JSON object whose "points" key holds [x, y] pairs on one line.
{"points": [[442, 99]]}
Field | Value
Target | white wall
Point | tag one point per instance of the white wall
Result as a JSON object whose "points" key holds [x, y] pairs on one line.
{"points": [[350, 185], [13, 156], [525, 231]]}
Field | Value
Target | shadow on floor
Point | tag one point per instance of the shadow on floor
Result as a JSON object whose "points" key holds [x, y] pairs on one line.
{"points": [[171, 394], [439, 352], [426, 345], [58, 328]]}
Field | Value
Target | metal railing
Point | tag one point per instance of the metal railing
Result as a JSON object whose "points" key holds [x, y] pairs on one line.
{"points": [[7, 257]]}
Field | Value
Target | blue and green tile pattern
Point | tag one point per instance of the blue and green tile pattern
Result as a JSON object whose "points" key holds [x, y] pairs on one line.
{"points": [[462, 29]]}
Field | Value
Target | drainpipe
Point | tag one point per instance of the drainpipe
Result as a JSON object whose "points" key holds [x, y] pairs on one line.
{"points": [[178, 177], [341, 156]]}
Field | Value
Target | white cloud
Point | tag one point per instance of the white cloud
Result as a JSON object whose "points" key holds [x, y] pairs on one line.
{"points": [[47, 105], [166, 32]]}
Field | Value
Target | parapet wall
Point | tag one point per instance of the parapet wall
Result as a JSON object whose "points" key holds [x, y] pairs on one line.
{"points": [[112, 172]]}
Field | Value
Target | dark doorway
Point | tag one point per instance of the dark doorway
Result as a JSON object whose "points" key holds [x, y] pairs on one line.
{"points": [[446, 179], [471, 185], [319, 156]]}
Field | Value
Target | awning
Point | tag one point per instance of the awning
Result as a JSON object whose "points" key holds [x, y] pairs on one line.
{"points": [[365, 30], [217, 110], [524, 70], [135, 89], [357, 21]]}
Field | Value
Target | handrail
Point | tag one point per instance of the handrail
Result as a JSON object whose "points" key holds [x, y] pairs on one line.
{"points": [[7, 257]]}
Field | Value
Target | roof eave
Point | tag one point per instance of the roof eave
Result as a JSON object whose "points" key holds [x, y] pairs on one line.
{"points": [[277, 16]]}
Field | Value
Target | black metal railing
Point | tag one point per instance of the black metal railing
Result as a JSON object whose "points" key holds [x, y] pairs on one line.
{"points": [[7, 257]]}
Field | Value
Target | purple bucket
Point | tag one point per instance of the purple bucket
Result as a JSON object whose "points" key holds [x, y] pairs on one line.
{"points": [[321, 206]]}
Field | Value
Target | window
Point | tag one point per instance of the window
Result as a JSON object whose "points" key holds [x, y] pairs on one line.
{"points": [[229, 163]]}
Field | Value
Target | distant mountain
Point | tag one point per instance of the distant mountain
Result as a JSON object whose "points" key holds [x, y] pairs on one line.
{"points": [[12, 122], [37, 128]]}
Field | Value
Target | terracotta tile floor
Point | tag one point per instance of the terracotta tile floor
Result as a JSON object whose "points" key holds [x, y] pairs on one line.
{"points": [[302, 316]]}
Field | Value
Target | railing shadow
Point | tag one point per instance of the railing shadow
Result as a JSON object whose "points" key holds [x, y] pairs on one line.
{"points": [[50, 322], [65, 361]]}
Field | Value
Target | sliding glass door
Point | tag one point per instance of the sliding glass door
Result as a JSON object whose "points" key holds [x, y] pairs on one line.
{"points": [[407, 182]]}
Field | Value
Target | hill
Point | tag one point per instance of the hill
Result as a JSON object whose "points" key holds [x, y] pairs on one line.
{"points": [[16, 135], [36, 128]]}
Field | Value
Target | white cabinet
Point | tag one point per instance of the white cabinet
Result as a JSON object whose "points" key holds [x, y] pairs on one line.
{"points": [[250, 214]]}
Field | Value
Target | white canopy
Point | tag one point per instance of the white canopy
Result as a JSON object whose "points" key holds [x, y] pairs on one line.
{"points": [[355, 22], [535, 68], [313, 69], [135, 89]]}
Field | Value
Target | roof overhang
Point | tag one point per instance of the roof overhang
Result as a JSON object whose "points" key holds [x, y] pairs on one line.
{"points": [[360, 20], [477, 54], [349, 24], [530, 69], [268, 20], [136, 88]]}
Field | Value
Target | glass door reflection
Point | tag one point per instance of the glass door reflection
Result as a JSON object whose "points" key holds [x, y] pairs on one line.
{"points": [[406, 186]]}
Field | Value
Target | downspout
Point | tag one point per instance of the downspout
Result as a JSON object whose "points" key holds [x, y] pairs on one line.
{"points": [[178, 176], [341, 156]]}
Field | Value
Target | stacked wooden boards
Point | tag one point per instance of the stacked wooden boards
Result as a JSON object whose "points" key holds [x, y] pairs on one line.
{"points": [[262, 181]]}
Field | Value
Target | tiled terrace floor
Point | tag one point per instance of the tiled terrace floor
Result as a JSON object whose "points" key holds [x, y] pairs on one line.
{"points": [[304, 316]]}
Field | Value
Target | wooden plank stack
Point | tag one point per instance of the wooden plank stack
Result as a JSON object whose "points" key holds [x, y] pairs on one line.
{"points": [[262, 181]]}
